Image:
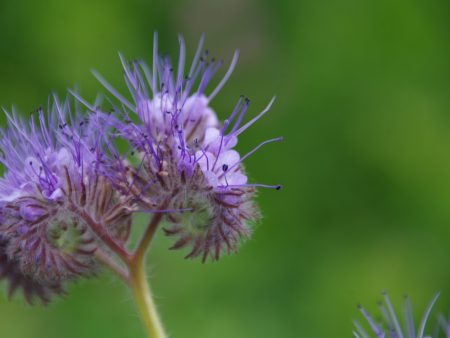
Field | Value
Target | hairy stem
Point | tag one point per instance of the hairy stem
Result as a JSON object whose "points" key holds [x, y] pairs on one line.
{"points": [[109, 262], [134, 274], [144, 301], [142, 247]]}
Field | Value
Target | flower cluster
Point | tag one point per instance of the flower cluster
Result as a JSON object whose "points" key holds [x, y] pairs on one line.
{"points": [[390, 326], [67, 194], [184, 159], [52, 185]]}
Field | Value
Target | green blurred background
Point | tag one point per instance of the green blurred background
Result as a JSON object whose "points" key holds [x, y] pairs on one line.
{"points": [[363, 103]]}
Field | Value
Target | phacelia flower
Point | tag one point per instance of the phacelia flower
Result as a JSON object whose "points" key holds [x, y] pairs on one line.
{"points": [[51, 189], [182, 159], [390, 326]]}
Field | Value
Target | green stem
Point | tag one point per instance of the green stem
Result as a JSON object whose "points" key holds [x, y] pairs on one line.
{"points": [[144, 301], [134, 272]]}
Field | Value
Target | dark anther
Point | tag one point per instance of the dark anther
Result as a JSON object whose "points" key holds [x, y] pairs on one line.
{"points": [[225, 167], [132, 153], [247, 100], [31, 162], [171, 70], [278, 187], [81, 123]]}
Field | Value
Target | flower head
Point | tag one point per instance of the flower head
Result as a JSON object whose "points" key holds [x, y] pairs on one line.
{"points": [[51, 184], [183, 160], [390, 326]]}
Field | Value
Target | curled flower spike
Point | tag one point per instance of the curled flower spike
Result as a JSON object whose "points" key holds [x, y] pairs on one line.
{"points": [[182, 159], [10, 270], [390, 326], [51, 189]]}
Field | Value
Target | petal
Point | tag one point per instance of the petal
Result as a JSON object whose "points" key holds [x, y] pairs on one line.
{"points": [[236, 179], [227, 158], [212, 135]]}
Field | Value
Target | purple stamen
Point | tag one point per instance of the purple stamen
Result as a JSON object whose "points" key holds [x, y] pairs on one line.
{"points": [[425, 316], [112, 90], [248, 124], [277, 139], [226, 77]]}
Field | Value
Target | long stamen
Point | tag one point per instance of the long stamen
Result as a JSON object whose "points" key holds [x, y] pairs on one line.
{"points": [[197, 55], [409, 319], [425, 316], [112, 90], [277, 139], [248, 124], [361, 331], [241, 116], [181, 61], [375, 328], [398, 330], [252, 185], [155, 61], [226, 77]]}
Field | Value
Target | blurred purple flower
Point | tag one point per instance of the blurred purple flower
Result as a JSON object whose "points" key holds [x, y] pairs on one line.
{"points": [[390, 326]]}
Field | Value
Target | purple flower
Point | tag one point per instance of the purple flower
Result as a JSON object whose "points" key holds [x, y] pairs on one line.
{"points": [[183, 161], [390, 326], [51, 187]]}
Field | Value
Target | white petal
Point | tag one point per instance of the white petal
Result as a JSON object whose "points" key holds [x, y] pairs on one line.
{"points": [[212, 135], [228, 158]]}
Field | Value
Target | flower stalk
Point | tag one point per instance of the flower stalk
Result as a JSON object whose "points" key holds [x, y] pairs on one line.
{"points": [[144, 301], [139, 284], [134, 276]]}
